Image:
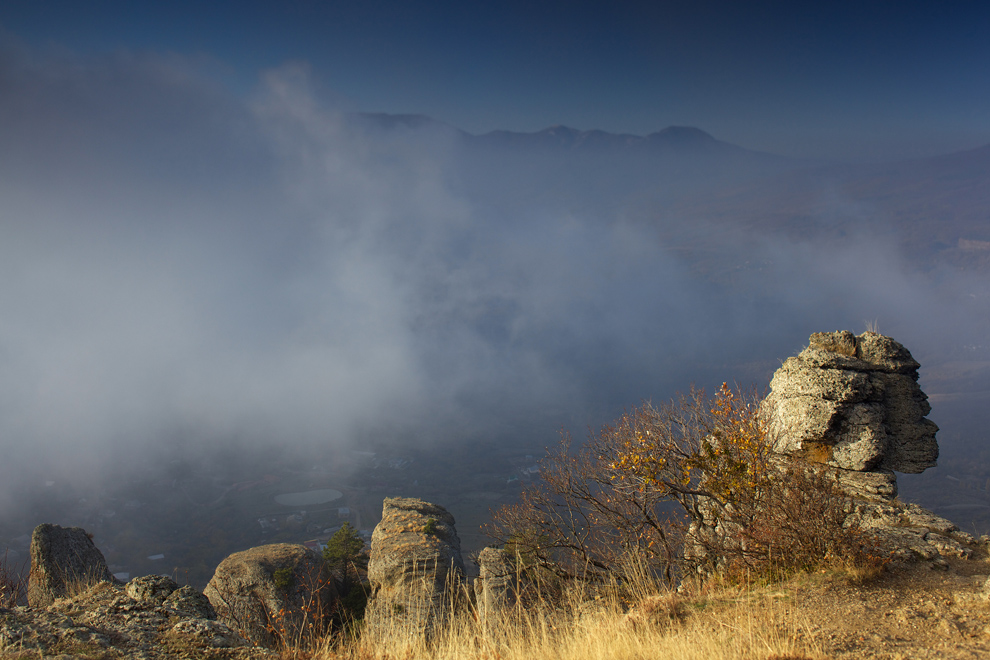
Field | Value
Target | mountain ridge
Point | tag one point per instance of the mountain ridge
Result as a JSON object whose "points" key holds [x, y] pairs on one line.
{"points": [[675, 139]]}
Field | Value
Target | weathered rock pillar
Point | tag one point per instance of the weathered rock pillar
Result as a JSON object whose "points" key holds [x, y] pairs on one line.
{"points": [[60, 557], [853, 403], [495, 589], [415, 569]]}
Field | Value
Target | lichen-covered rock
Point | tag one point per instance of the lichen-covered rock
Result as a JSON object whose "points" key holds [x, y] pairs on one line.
{"points": [[854, 404], [104, 622], [162, 590], [202, 634], [415, 568], [62, 558], [272, 592], [187, 602], [908, 532], [154, 588]]}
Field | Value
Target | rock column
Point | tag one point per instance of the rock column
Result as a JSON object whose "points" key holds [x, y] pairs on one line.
{"points": [[415, 569], [853, 403], [63, 559], [495, 589]]}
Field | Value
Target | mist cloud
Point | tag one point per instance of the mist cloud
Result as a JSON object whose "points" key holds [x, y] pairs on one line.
{"points": [[183, 268]]}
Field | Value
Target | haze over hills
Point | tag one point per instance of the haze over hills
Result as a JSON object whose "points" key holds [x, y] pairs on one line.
{"points": [[737, 219], [931, 203], [391, 284]]}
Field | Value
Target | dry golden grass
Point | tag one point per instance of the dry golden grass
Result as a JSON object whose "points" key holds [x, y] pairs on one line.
{"points": [[717, 623], [76, 585]]}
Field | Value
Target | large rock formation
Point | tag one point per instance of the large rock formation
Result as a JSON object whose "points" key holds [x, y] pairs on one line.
{"points": [[415, 567], [62, 560], [854, 404], [272, 591]]}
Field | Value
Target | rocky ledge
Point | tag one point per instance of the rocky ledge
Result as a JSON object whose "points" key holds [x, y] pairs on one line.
{"points": [[150, 618], [76, 609]]}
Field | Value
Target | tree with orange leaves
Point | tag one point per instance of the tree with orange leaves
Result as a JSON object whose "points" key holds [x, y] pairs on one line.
{"points": [[694, 481]]}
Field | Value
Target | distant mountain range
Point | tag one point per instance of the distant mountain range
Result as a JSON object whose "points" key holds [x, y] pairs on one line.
{"points": [[677, 139], [939, 207]]}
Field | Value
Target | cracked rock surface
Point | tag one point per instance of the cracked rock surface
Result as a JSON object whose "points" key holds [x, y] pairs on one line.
{"points": [[415, 558], [108, 622], [853, 403]]}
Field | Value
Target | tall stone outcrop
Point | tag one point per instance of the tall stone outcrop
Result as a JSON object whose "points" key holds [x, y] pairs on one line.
{"points": [[495, 589], [854, 404], [272, 593], [415, 568], [62, 559]]}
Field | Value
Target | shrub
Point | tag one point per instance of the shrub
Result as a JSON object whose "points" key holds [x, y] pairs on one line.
{"points": [[694, 484], [344, 554], [284, 579], [344, 551]]}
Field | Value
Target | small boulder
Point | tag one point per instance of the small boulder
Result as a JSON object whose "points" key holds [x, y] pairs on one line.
{"points": [[151, 588], [271, 593], [162, 590], [186, 602], [63, 559]]}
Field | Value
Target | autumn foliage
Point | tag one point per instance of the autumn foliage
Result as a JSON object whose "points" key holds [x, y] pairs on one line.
{"points": [[693, 485]]}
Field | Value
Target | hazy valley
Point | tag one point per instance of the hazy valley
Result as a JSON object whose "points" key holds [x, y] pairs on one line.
{"points": [[545, 280]]}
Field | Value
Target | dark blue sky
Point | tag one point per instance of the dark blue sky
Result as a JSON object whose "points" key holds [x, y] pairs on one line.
{"points": [[854, 79]]}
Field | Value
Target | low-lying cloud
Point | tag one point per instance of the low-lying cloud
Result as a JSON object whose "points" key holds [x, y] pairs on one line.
{"points": [[183, 268]]}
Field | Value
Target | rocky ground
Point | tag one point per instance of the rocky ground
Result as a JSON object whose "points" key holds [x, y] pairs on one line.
{"points": [[850, 403], [108, 621], [922, 610]]}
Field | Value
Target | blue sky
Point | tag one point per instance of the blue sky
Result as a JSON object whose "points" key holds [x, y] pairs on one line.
{"points": [[859, 80]]}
